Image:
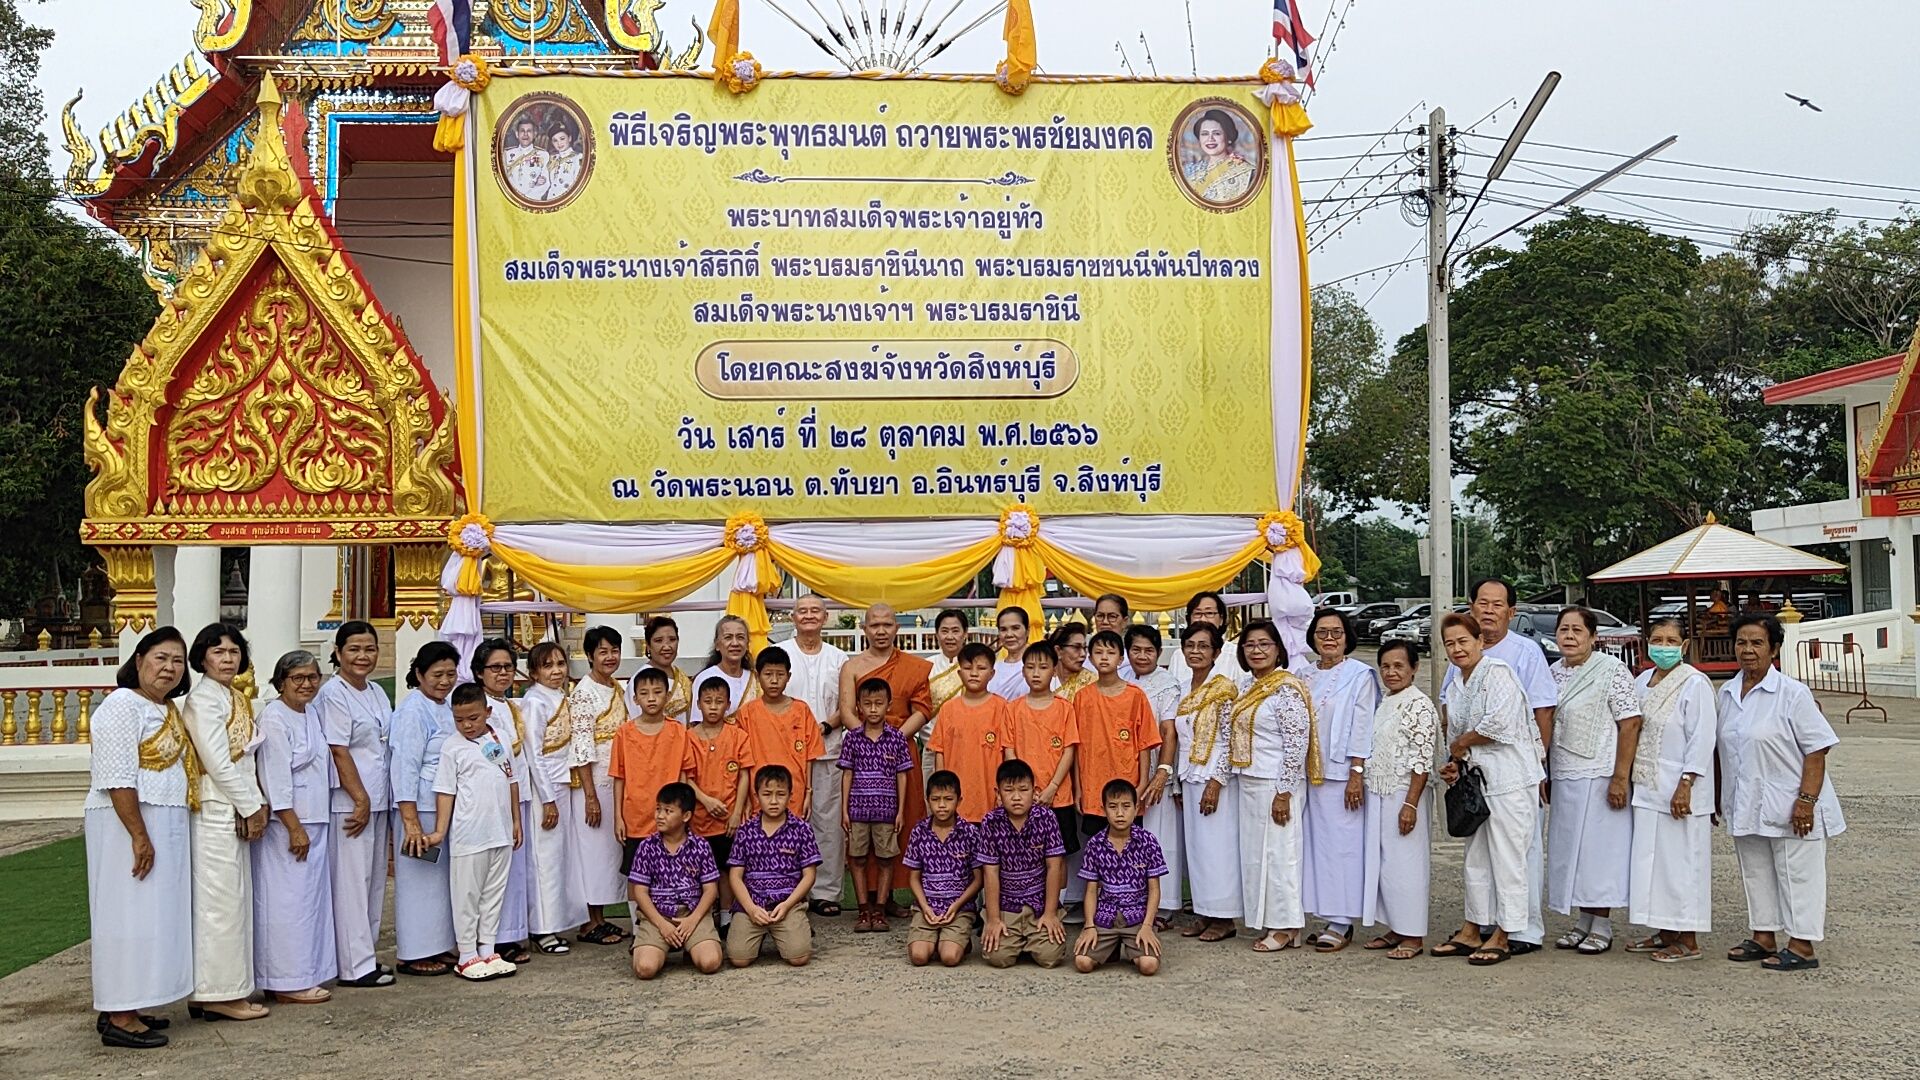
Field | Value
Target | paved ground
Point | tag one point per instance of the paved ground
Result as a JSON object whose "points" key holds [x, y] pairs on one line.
{"points": [[861, 1011]]}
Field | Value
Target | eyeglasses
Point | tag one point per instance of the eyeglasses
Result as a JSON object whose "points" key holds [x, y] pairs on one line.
{"points": [[1330, 635], [303, 680], [1076, 647], [497, 668]]}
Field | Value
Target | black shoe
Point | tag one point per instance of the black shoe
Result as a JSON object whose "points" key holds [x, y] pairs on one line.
{"points": [[131, 1040], [377, 977], [156, 1023], [1522, 948]]}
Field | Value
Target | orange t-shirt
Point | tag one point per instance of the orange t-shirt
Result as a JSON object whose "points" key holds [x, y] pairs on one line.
{"points": [[972, 740], [1114, 730], [717, 768], [646, 763], [1041, 738], [790, 738]]}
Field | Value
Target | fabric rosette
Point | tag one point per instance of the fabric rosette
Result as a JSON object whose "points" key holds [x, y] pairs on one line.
{"points": [[1018, 571], [1281, 94], [743, 73], [754, 576], [468, 76]]}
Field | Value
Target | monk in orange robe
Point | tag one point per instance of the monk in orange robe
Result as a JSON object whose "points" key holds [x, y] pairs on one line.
{"points": [[910, 709]]}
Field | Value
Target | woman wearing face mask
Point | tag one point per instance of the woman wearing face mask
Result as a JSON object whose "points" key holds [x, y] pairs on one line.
{"points": [[1671, 886]]}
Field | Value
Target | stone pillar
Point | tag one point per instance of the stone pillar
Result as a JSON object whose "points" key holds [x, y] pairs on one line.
{"points": [[163, 585], [196, 588], [130, 572], [417, 604], [627, 625], [1900, 563], [319, 582], [273, 608]]}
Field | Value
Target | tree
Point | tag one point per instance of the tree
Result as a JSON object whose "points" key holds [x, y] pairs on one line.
{"points": [[1367, 426], [72, 303]]}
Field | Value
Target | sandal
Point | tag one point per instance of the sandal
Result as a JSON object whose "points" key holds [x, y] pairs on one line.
{"points": [[604, 934], [1384, 941], [1454, 947], [377, 977], [1571, 939], [313, 995], [826, 909], [1788, 960], [1326, 941], [553, 944], [1748, 951], [1195, 929], [1594, 945], [1287, 940], [1160, 924], [1676, 954], [863, 921], [1486, 957], [1655, 943], [516, 953], [423, 968], [1404, 951], [1219, 931]]}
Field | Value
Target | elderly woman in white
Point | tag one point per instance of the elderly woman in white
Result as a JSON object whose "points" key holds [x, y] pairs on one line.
{"points": [[292, 889], [220, 723], [354, 712], [1491, 729], [1210, 805], [1345, 694], [1398, 851], [1590, 826], [422, 892], [139, 892], [554, 904], [1776, 799], [1671, 880], [595, 708], [494, 665], [1273, 733]]}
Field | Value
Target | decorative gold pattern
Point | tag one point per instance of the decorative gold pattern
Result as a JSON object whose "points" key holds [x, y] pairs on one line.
{"points": [[680, 697], [559, 732], [1215, 694], [347, 20], [136, 602], [534, 21], [519, 727], [222, 24], [153, 118], [631, 25], [160, 750], [240, 729], [607, 724], [346, 405], [416, 584], [1077, 682]]}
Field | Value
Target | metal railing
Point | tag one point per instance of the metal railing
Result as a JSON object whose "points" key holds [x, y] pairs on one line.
{"points": [[1837, 667]]}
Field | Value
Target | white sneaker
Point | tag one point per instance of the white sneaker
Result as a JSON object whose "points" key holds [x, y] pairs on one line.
{"points": [[499, 968], [474, 970]]}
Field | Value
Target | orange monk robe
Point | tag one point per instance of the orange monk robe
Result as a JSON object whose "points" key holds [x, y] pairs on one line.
{"points": [[1114, 729], [645, 764], [790, 738], [972, 740], [908, 676], [1041, 738], [716, 768]]}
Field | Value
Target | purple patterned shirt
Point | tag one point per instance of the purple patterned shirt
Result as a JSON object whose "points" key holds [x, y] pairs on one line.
{"points": [[946, 866], [871, 793], [674, 878], [1021, 854], [1122, 876], [773, 863]]}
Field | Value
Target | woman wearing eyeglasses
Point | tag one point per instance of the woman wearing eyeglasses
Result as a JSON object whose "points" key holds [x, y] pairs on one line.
{"points": [[1345, 694], [422, 897], [292, 891]]}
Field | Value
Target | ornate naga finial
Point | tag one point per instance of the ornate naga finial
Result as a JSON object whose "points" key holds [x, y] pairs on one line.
{"points": [[81, 151], [632, 25], [268, 181], [222, 24]]}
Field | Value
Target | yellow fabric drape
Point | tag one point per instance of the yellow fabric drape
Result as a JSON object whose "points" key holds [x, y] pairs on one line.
{"points": [[724, 31], [914, 585], [616, 589], [1147, 594], [1023, 50], [463, 343], [1029, 576]]}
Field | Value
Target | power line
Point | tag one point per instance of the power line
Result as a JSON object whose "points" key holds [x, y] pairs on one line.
{"points": [[1722, 168]]}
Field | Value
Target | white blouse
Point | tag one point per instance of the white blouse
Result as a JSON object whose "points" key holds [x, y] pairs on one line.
{"points": [[1493, 704], [1280, 726], [1686, 746], [500, 717], [585, 704], [206, 710], [1622, 702], [293, 763], [1765, 738], [120, 725], [1344, 699], [549, 772], [357, 720], [1404, 726]]}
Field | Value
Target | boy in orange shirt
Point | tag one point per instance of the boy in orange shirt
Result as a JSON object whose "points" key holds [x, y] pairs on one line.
{"points": [[782, 730], [1046, 735], [719, 766], [647, 755], [971, 737]]}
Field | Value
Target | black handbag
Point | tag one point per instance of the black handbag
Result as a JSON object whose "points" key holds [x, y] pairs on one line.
{"points": [[1467, 802]]}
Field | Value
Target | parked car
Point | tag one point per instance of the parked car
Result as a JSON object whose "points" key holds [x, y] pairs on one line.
{"points": [[1538, 621], [1376, 629], [1364, 616], [1419, 631], [1333, 599]]}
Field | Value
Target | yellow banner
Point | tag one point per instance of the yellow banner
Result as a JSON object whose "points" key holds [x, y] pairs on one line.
{"points": [[831, 299]]}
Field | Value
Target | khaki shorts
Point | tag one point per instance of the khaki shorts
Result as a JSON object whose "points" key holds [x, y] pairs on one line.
{"points": [[958, 932], [647, 935], [792, 936], [1119, 938], [1024, 935], [878, 838]]}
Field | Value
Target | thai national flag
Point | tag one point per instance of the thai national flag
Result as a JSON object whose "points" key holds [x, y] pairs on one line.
{"points": [[1290, 31], [451, 22]]}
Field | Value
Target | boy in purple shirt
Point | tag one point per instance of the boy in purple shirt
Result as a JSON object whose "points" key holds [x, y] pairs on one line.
{"points": [[873, 801], [1024, 859], [773, 862], [943, 875], [1122, 867], [673, 883]]}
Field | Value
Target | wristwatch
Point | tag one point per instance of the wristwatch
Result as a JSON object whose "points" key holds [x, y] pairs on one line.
{"points": [[1808, 799], [1165, 768], [1359, 769]]}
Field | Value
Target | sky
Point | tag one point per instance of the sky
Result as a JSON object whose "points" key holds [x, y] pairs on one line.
{"points": [[1714, 72]]}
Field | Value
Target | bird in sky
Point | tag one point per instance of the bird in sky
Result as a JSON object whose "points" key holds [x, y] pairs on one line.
{"points": [[1797, 99]]}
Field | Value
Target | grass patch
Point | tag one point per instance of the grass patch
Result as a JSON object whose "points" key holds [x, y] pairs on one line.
{"points": [[44, 893]]}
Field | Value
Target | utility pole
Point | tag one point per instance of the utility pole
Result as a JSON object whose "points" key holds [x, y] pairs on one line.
{"points": [[1439, 399]]}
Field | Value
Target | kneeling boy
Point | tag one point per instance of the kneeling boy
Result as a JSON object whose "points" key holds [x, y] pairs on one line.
{"points": [[944, 878], [1122, 867], [1024, 860], [773, 860], [673, 883]]}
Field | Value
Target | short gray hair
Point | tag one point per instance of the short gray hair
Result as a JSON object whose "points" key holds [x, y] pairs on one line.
{"points": [[291, 662]]}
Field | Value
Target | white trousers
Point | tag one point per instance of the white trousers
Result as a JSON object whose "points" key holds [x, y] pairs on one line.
{"points": [[142, 927], [1671, 886], [479, 884], [1212, 843], [1589, 847], [1397, 866], [1786, 883], [823, 785], [359, 891], [1495, 876], [222, 907], [1272, 857]]}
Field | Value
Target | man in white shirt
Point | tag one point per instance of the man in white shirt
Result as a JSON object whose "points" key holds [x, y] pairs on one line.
{"points": [[816, 681], [1493, 609]]}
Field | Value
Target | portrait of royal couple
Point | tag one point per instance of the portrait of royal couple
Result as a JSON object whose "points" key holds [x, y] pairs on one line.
{"points": [[542, 160]]}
